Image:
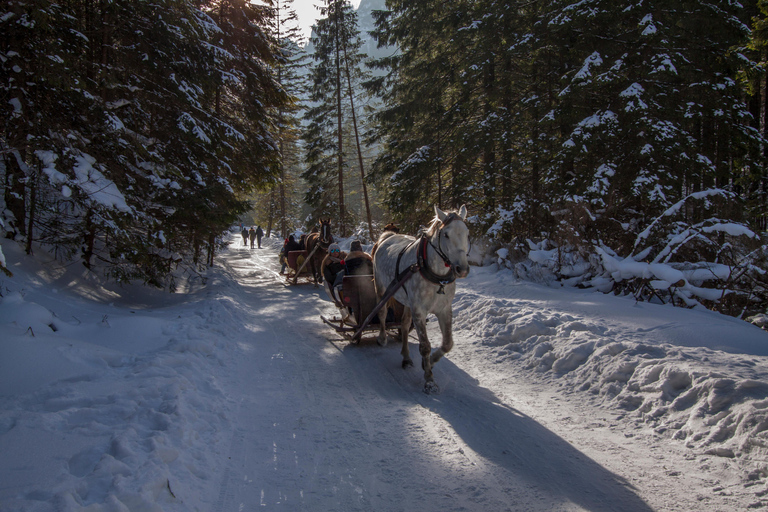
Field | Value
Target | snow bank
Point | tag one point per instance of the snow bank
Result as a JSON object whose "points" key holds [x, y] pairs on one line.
{"points": [[106, 408], [695, 376]]}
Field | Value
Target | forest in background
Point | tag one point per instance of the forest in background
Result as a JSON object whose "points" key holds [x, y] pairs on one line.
{"points": [[135, 133]]}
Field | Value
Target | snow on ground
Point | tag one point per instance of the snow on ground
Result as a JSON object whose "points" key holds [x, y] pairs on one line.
{"points": [[234, 396]]}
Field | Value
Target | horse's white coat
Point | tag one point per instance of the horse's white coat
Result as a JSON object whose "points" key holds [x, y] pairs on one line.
{"points": [[420, 296]]}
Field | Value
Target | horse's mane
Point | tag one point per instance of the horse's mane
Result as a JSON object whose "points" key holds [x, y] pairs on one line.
{"points": [[434, 226], [437, 223]]}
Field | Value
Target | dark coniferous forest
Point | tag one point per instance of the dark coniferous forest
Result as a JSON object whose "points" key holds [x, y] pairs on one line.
{"points": [[619, 145]]}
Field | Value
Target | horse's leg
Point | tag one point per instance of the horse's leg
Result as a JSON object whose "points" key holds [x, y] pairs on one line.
{"points": [[420, 323], [313, 269], [405, 326], [445, 320], [382, 339]]}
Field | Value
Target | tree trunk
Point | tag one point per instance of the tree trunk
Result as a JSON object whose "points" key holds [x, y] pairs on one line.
{"points": [[211, 249], [32, 209], [763, 181], [90, 236], [271, 212], [359, 151], [342, 213], [15, 193], [489, 146]]}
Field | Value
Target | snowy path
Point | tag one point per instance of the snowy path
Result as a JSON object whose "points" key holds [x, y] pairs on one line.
{"points": [[236, 397], [331, 426]]}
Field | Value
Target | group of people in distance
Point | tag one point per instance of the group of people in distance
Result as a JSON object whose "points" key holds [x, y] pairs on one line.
{"points": [[254, 235]]}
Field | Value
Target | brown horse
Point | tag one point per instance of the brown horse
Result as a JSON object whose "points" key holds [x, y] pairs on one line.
{"points": [[321, 240]]}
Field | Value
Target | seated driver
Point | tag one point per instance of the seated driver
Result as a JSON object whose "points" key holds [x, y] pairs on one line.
{"points": [[357, 262], [333, 270]]}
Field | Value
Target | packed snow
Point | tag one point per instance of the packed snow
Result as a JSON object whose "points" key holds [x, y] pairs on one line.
{"points": [[233, 395]]}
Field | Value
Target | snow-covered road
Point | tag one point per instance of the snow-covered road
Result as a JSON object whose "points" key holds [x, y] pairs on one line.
{"points": [[326, 425], [234, 396]]}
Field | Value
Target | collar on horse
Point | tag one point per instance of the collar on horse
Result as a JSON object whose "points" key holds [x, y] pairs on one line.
{"points": [[426, 272]]}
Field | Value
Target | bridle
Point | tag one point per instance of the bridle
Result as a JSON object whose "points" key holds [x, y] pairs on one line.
{"points": [[325, 238], [422, 260]]}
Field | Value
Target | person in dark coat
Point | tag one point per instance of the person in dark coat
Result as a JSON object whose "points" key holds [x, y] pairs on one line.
{"points": [[245, 236], [259, 234], [290, 245], [252, 236], [293, 245], [357, 262], [389, 227], [333, 271]]}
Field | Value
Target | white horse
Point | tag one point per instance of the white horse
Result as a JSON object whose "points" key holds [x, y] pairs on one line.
{"points": [[441, 256]]}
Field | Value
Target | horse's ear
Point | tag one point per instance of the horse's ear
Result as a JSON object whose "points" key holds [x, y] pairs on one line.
{"points": [[440, 214], [463, 212]]}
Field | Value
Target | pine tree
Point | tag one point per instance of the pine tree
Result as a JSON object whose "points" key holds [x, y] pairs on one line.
{"points": [[419, 96], [337, 55], [139, 126], [290, 73], [649, 118], [579, 120]]}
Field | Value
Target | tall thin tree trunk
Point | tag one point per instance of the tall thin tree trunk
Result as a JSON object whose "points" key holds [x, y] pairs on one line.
{"points": [[342, 213], [762, 192], [283, 214], [32, 210], [359, 150], [105, 33], [271, 212], [438, 159]]}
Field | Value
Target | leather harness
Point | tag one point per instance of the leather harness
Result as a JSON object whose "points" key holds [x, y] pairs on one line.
{"points": [[421, 260]]}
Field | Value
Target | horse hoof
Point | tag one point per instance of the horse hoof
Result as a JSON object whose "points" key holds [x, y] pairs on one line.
{"points": [[407, 363], [382, 340], [431, 388]]}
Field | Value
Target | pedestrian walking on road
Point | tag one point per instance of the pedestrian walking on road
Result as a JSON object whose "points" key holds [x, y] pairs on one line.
{"points": [[259, 234]]}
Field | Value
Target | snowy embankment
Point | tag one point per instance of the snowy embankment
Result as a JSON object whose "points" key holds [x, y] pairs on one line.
{"points": [[109, 397], [229, 396], [695, 376]]}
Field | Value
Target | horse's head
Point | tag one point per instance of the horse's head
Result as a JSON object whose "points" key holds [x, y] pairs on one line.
{"points": [[453, 238], [325, 231]]}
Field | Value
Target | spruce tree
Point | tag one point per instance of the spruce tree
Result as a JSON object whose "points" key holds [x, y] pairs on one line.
{"points": [[139, 126], [291, 75], [336, 55]]}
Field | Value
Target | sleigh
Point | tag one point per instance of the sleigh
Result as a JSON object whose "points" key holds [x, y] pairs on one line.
{"points": [[359, 309], [298, 267]]}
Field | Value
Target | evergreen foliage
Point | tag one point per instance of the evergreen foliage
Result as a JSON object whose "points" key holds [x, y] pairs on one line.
{"points": [[335, 75], [578, 122], [280, 204], [133, 128]]}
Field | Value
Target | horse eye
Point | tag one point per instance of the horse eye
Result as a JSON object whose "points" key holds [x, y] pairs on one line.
{"points": [[446, 236]]}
